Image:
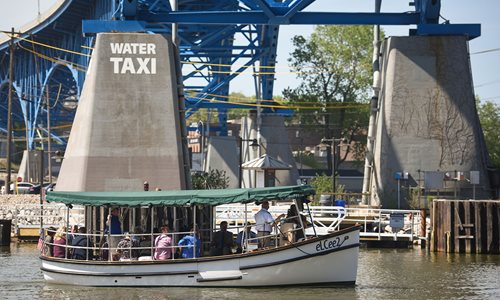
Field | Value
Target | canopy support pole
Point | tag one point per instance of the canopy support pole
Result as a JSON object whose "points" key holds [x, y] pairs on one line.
{"points": [[194, 232], [312, 221], [68, 207], [110, 254], [300, 218], [152, 224], [245, 229]]}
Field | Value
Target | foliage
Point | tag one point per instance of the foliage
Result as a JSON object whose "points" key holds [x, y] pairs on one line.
{"points": [[307, 159], [213, 179], [322, 184], [334, 65], [489, 116]]}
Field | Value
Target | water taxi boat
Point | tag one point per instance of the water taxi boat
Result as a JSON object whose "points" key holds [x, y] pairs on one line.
{"points": [[320, 260]]}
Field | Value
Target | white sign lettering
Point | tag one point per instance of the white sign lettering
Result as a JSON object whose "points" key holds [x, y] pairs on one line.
{"points": [[133, 65]]}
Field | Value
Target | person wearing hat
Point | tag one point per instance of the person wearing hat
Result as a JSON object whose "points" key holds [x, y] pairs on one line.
{"points": [[146, 186], [125, 247]]}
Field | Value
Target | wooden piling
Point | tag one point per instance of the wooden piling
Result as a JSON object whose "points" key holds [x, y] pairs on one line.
{"points": [[465, 226]]}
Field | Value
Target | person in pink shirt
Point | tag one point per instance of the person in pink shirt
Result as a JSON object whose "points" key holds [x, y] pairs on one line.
{"points": [[60, 243], [163, 245]]}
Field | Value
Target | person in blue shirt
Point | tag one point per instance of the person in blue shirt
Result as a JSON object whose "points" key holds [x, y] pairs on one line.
{"points": [[243, 235], [188, 242], [115, 227]]}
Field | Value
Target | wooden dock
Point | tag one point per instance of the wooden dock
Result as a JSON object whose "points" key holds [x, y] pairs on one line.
{"points": [[465, 226]]}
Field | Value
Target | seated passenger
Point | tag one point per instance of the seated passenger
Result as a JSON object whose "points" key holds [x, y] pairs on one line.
{"points": [[48, 247], [163, 245], [189, 242], [242, 237], [292, 217], [60, 243], [81, 240], [125, 247], [222, 241]]}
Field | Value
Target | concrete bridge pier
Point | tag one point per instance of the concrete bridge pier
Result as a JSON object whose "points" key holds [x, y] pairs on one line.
{"points": [[427, 119]]}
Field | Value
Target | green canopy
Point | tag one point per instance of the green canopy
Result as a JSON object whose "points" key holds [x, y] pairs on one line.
{"points": [[180, 198]]}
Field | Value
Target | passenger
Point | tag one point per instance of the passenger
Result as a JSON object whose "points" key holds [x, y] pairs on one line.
{"points": [[48, 243], [81, 240], [114, 223], [189, 242], [137, 237], [60, 243], [163, 245], [242, 237], [74, 231], [293, 227], [125, 248], [222, 241], [264, 225], [145, 245]]}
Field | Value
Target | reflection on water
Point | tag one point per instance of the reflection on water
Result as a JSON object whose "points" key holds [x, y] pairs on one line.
{"points": [[382, 274]]}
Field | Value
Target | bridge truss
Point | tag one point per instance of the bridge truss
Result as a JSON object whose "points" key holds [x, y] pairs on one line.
{"points": [[218, 40]]}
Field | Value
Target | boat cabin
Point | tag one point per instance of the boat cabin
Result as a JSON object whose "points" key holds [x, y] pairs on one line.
{"points": [[160, 225]]}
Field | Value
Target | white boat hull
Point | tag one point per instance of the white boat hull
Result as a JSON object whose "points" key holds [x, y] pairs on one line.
{"points": [[330, 259]]}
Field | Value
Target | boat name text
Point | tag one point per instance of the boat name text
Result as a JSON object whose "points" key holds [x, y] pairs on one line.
{"points": [[330, 244]]}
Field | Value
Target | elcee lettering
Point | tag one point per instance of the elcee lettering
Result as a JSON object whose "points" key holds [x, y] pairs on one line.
{"points": [[330, 244]]}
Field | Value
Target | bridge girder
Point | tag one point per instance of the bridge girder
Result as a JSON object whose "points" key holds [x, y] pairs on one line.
{"points": [[207, 30]]}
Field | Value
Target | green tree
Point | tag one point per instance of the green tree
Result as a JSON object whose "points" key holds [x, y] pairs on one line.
{"points": [[334, 66], [489, 116], [214, 179]]}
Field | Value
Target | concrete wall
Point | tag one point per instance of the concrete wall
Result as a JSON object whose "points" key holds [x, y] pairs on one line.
{"points": [[427, 119], [274, 142], [127, 125], [223, 154]]}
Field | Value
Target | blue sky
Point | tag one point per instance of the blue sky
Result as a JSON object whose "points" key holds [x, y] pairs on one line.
{"points": [[485, 67]]}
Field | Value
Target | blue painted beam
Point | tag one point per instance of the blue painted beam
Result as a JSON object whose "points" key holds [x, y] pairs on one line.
{"points": [[300, 18], [470, 30], [97, 26]]}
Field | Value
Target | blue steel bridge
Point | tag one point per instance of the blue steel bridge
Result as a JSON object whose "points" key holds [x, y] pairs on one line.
{"points": [[218, 40]]}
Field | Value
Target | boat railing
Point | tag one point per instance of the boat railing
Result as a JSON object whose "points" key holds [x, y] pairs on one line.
{"points": [[325, 219], [97, 246], [128, 250], [279, 234]]}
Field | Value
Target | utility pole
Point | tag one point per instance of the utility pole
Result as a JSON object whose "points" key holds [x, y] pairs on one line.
{"points": [[9, 112], [49, 144]]}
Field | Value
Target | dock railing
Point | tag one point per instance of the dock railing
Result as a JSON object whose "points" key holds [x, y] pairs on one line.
{"points": [[376, 222], [28, 216]]}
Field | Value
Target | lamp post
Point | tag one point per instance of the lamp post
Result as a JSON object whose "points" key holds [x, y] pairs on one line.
{"points": [[254, 145], [333, 144]]}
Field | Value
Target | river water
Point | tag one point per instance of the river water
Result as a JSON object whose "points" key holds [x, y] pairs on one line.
{"points": [[382, 274]]}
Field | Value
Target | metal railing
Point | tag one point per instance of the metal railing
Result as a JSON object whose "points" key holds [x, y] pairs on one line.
{"points": [[29, 215], [376, 222]]}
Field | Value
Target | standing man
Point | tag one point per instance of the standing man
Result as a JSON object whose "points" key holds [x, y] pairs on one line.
{"points": [[114, 226], [264, 223]]}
